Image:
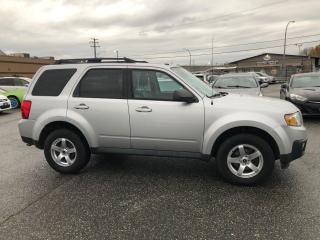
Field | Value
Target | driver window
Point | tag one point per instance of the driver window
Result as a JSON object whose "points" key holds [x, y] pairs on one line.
{"points": [[153, 85]]}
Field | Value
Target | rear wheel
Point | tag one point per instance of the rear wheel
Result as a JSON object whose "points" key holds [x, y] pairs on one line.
{"points": [[15, 103], [65, 151], [245, 159]]}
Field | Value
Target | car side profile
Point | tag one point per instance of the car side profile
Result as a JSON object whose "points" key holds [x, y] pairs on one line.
{"points": [[15, 88], [96, 106]]}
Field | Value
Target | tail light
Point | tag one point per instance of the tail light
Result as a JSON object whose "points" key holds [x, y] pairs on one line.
{"points": [[25, 109]]}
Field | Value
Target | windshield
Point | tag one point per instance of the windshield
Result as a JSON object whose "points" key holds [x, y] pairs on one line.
{"points": [[305, 81], [235, 82], [194, 81], [262, 74]]}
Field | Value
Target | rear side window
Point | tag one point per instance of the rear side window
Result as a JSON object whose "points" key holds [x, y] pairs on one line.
{"points": [[51, 82], [101, 83], [6, 82], [18, 82]]}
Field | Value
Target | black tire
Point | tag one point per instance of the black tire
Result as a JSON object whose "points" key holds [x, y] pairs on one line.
{"points": [[83, 153], [16, 101], [249, 139]]}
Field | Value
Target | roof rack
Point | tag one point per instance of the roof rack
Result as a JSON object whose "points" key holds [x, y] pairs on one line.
{"points": [[98, 60]]}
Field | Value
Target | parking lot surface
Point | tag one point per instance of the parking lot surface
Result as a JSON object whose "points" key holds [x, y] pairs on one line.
{"points": [[122, 197]]}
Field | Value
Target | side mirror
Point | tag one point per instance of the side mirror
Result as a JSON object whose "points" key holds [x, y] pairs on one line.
{"points": [[26, 85], [264, 85], [284, 85], [183, 95]]}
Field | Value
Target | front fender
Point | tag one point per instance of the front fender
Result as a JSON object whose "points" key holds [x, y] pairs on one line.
{"points": [[248, 119]]}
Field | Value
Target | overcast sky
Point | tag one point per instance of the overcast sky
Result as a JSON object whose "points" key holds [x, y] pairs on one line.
{"points": [[63, 28]]}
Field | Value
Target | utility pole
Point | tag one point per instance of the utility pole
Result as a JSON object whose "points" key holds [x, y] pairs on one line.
{"points": [[284, 49], [212, 55], [186, 49], [117, 53], [299, 45], [94, 44]]}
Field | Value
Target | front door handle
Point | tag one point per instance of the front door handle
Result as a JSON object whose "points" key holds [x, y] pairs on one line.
{"points": [[81, 106], [143, 109]]}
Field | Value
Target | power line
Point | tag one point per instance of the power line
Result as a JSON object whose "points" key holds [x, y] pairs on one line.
{"points": [[95, 45], [233, 45], [236, 51], [228, 14]]}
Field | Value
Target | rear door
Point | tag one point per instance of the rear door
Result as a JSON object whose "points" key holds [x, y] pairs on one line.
{"points": [[99, 103], [157, 121]]}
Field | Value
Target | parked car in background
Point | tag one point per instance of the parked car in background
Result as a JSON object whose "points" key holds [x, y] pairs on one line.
{"points": [[270, 79], [4, 102], [242, 83], [203, 77], [261, 79], [15, 88], [303, 90], [245, 134], [212, 79], [15, 96]]}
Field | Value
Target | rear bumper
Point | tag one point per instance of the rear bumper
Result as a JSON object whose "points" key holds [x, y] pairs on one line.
{"points": [[298, 149], [28, 141]]}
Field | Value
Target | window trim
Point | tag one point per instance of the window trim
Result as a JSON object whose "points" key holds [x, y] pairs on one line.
{"points": [[76, 93], [130, 86]]}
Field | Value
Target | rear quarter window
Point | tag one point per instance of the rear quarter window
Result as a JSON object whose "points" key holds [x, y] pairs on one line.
{"points": [[51, 82]]}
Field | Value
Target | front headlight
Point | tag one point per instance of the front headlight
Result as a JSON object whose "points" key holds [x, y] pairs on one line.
{"points": [[294, 119], [297, 97]]}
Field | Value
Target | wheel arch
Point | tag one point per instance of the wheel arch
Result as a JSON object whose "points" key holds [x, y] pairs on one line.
{"points": [[50, 127], [250, 130]]}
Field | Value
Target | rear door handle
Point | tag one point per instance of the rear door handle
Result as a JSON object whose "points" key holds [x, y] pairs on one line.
{"points": [[81, 106], [143, 109]]}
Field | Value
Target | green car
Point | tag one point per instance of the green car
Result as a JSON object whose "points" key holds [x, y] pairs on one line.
{"points": [[15, 96], [15, 89]]}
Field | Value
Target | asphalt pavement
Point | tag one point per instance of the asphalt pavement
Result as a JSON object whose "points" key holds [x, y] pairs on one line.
{"points": [[122, 197]]}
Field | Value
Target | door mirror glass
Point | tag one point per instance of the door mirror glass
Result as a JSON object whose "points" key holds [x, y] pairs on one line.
{"points": [[264, 85], [184, 96]]}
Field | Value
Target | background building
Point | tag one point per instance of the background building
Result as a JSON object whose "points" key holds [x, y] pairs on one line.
{"points": [[274, 64], [271, 63], [21, 64]]}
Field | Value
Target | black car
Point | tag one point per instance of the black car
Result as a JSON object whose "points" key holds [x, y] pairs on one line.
{"points": [[303, 90]]}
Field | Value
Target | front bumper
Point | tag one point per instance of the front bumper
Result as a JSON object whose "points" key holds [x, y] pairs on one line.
{"points": [[308, 108], [5, 105], [298, 149]]}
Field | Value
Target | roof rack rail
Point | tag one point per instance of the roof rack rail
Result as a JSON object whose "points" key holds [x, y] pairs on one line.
{"points": [[98, 60]]}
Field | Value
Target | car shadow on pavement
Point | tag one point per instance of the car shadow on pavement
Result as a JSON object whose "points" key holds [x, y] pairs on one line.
{"points": [[179, 169]]}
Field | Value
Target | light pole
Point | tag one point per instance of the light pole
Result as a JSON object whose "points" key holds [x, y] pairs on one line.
{"points": [[186, 49], [117, 53], [284, 48]]}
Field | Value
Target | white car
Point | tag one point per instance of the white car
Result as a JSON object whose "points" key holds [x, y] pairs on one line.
{"points": [[4, 102]]}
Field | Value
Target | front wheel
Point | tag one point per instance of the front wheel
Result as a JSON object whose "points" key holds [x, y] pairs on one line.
{"points": [[65, 151], [245, 159]]}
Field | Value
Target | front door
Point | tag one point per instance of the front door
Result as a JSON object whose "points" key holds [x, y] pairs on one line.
{"points": [[100, 104], [157, 121]]}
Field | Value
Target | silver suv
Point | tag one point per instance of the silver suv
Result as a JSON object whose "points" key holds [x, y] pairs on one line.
{"points": [[79, 107]]}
